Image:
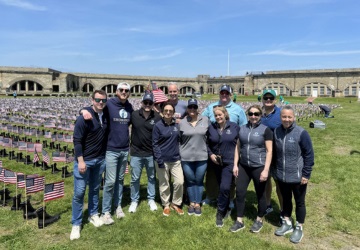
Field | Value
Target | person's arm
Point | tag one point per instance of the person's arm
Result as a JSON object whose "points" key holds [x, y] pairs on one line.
{"points": [[236, 159], [86, 113], [268, 137], [156, 147], [79, 133], [242, 117], [308, 156]]}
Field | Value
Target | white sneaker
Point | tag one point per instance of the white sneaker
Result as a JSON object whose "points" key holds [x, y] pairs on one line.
{"points": [[96, 221], [152, 205], [75, 233], [133, 207], [119, 213], [106, 218]]}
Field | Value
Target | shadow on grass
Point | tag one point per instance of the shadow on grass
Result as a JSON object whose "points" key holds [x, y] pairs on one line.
{"points": [[354, 152]]}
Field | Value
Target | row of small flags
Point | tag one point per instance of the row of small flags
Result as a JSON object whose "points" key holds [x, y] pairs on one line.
{"points": [[33, 184], [47, 124], [48, 135]]}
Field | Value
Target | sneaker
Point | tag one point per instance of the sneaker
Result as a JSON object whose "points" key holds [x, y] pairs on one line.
{"points": [[269, 209], [206, 201], [106, 218], [237, 226], [191, 210], [166, 211], [177, 209], [297, 235], [96, 221], [219, 220], [133, 207], [75, 233], [256, 227], [197, 211], [119, 213], [285, 228], [152, 205]]}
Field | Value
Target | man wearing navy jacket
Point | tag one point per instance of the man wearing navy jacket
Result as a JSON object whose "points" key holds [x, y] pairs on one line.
{"points": [[90, 138], [120, 110]]}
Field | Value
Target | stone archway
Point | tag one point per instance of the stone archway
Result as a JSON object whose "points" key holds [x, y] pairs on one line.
{"points": [[320, 88], [352, 89], [280, 88], [186, 89], [87, 88]]}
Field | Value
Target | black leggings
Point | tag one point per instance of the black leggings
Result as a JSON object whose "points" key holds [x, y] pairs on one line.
{"points": [[245, 175], [299, 191]]}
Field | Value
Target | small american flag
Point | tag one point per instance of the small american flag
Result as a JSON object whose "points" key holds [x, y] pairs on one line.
{"points": [[30, 147], [10, 177], [36, 157], [1, 173], [35, 184], [46, 157], [54, 191], [58, 156], [20, 180], [22, 145]]}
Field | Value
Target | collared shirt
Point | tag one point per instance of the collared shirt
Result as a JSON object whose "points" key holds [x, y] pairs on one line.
{"points": [[273, 119], [141, 133], [236, 113]]}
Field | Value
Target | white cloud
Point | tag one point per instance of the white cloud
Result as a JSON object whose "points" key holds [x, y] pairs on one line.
{"points": [[23, 5], [295, 53], [142, 58]]}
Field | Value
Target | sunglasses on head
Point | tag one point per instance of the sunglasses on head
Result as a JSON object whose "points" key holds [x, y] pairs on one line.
{"points": [[254, 113], [148, 103], [217, 106], [122, 90], [265, 98], [192, 107], [99, 99]]}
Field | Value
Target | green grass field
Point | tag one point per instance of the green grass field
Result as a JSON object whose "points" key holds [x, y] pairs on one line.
{"points": [[333, 205]]}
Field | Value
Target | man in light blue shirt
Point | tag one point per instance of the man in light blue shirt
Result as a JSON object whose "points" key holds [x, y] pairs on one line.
{"points": [[237, 115]]}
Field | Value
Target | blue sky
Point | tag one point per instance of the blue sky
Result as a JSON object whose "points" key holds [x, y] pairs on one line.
{"points": [[180, 38]]}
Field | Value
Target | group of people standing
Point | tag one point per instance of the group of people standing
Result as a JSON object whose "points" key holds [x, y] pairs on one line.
{"points": [[174, 141]]}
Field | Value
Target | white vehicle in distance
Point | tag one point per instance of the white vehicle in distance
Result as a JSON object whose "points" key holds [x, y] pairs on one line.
{"points": [[189, 94], [197, 95]]}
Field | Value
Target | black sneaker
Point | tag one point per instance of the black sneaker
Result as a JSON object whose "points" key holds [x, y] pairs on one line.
{"points": [[191, 210], [256, 227], [197, 211], [297, 235], [219, 220], [237, 226]]}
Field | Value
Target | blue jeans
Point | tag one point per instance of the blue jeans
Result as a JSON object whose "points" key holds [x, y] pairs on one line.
{"points": [[137, 164], [92, 176], [114, 179], [194, 172]]}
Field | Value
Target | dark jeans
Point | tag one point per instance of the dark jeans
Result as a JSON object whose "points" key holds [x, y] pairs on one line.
{"points": [[299, 191], [246, 174], [224, 177]]}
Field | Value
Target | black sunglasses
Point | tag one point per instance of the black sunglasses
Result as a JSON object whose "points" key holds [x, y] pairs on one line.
{"points": [[148, 103], [122, 90], [192, 107], [265, 98], [99, 99], [254, 113]]}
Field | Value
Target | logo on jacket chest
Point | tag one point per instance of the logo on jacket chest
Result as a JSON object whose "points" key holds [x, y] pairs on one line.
{"points": [[123, 113], [152, 122], [291, 139], [228, 132], [256, 134]]}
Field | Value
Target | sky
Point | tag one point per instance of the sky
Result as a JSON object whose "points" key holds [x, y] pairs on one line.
{"points": [[180, 38]]}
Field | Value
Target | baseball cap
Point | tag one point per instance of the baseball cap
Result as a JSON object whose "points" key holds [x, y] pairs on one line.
{"points": [[269, 91], [226, 88], [148, 97], [123, 85], [192, 102]]}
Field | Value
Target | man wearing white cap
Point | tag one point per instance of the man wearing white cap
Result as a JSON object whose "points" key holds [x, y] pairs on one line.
{"points": [[120, 110]]}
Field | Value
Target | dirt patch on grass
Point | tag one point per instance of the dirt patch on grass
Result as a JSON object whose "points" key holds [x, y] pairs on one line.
{"points": [[341, 150], [336, 240]]}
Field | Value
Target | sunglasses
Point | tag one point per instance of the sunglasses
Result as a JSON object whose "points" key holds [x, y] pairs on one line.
{"points": [[224, 92], [217, 106], [122, 90], [254, 113], [148, 103], [192, 107], [265, 98], [99, 100]]}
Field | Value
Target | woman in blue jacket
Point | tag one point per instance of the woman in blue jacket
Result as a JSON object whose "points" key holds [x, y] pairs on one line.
{"points": [[255, 144], [165, 141], [294, 161], [222, 146]]}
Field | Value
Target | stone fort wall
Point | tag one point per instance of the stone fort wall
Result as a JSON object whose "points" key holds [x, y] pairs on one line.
{"points": [[45, 81]]}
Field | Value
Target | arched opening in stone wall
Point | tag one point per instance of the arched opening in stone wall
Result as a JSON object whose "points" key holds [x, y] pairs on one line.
{"points": [[352, 90], [137, 90], [210, 89], [315, 88], [164, 89], [186, 89], [109, 89], [26, 86], [88, 88], [280, 89], [241, 90], [201, 90]]}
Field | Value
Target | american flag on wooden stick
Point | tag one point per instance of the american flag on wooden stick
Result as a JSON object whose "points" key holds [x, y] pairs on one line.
{"points": [[54, 191]]}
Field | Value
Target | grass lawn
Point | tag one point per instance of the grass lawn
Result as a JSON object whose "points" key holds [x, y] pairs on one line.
{"points": [[333, 205]]}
